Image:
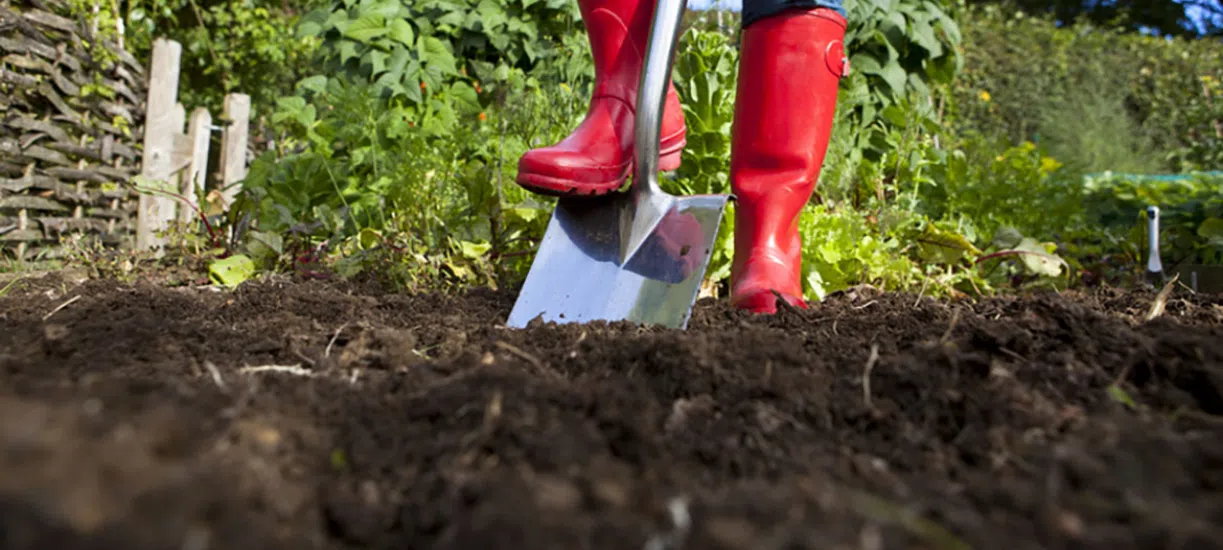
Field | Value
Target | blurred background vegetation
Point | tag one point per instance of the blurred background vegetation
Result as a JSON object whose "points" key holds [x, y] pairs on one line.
{"points": [[977, 149]]}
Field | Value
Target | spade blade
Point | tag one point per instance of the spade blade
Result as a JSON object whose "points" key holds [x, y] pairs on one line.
{"points": [[578, 274]]}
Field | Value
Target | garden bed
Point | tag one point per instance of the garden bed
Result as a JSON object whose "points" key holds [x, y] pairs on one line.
{"points": [[299, 415]]}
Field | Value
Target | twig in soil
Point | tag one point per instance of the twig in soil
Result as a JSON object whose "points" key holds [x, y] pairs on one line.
{"points": [[1205, 418], [493, 411], [295, 370], [303, 357], [61, 306], [1161, 299], [955, 319], [782, 303], [573, 351], [1121, 376], [334, 337], [1013, 354], [216, 375], [866, 305], [515, 351], [866, 375], [921, 293]]}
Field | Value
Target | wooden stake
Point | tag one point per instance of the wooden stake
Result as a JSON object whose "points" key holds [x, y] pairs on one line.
{"points": [[163, 119], [233, 145], [198, 133]]}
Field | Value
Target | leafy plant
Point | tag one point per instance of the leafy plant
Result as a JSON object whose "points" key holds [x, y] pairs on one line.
{"points": [[844, 248], [898, 50], [706, 68], [415, 50], [242, 46], [1099, 99], [397, 158], [1191, 214], [364, 180]]}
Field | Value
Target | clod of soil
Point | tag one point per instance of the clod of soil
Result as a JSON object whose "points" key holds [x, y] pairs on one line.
{"points": [[318, 415]]}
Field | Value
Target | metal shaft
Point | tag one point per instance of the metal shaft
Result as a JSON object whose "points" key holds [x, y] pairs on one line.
{"points": [[652, 92], [1155, 268], [1154, 264]]}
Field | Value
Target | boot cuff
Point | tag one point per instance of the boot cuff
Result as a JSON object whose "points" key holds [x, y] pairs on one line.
{"points": [[761, 9]]}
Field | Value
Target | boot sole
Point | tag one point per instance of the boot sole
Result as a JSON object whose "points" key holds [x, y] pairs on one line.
{"points": [[669, 160]]}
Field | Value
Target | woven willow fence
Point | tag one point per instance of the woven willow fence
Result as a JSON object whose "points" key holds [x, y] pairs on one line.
{"points": [[76, 129], [69, 125]]}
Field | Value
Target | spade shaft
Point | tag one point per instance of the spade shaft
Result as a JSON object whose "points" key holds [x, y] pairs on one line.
{"points": [[648, 201]]}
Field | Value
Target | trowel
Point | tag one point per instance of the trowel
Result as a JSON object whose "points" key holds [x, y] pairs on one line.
{"points": [[638, 255]]}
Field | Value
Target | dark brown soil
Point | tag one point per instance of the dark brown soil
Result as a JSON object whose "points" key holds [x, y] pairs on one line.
{"points": [[132, 418]]}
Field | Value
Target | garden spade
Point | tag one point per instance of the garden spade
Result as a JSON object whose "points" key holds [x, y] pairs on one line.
{"points": [[638, 255]]}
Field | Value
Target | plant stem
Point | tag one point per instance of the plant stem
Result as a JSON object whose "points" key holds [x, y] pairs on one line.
{"points": [[212, 234], [494, 221]]}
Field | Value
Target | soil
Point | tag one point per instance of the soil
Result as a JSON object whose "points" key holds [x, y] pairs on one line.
{"points": [[306, 414]]}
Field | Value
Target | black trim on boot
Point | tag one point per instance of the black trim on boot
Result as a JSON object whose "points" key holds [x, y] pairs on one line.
{"points": [[755, 10]]}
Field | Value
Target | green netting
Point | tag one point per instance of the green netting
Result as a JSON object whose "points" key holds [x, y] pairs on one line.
{"points": [[1155, 177]]}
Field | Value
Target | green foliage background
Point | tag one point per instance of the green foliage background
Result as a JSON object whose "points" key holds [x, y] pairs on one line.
{"points": [[1098, 98], [971, 152]]}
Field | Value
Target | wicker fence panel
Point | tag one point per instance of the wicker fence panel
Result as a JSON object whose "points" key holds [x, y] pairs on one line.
{"points": [[70, 137]]}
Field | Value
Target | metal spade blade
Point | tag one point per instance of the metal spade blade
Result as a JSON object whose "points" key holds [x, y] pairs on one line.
{"points": [[639, 255]]}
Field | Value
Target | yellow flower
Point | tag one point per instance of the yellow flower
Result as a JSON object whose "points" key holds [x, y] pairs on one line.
{"points": [[1049, 164], [984, 95], [565, 87]]}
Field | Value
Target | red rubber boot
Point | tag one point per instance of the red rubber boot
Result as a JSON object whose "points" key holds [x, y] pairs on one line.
{"points": [[789, 69], [597, 157]]}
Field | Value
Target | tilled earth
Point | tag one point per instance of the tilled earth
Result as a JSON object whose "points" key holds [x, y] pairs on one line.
{"points": [[302, 415]]}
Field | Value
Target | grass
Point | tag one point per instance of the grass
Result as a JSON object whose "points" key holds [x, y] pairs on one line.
{"points": [[11, 284]]}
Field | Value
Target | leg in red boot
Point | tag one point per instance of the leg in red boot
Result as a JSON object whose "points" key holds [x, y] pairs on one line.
{"points": [[790, 66], [597, 157]]}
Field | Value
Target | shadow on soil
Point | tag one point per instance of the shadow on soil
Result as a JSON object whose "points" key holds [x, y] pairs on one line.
{"points": [[315, 415]]}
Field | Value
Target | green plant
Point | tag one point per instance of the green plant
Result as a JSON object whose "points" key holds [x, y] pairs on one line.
{"points": [[1097, 99], [421, 51], [987, 188], [706, 68], [244, 46], [1191, 212], [844, 248], [400, 161], [358, 178], [899, 50]]}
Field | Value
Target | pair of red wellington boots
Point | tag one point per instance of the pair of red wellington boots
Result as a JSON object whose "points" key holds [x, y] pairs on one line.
{"points": [[789, 69]]}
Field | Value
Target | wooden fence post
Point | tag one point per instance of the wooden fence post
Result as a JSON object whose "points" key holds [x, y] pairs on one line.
{"points": [[198, 133], [163, 119], [176, 161], [233, 145]]}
